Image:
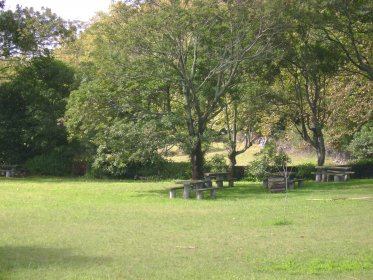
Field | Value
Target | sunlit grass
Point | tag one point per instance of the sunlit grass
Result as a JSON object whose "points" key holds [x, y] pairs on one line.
{"points": [[297, 157], [76, 229]]}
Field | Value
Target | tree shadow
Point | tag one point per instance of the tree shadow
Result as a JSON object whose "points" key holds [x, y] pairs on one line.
{"points": [[30, 257], [244, 190]]}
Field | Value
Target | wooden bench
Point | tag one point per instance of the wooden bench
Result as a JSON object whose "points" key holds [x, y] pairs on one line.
{"points": [[172, 191], [276, 184], [202, 190]]}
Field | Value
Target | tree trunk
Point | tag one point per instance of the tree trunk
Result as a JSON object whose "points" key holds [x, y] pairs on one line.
{"points": [[232, 162], [197, 159], [320, 150]]}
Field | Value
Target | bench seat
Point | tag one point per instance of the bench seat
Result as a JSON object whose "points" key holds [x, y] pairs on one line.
{"points": [[172, 191]]}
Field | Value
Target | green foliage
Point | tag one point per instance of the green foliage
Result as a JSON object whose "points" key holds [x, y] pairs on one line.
{"points": [[31, 33], [363, 168], [216, 163], [304, 171], [361, 145], [56, 163], [269, 160], [31, 106]]}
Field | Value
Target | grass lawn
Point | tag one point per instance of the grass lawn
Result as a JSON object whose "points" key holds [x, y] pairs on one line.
{"points": [[73, 229]]}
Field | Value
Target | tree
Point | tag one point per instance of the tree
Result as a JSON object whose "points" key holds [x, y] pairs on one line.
{"points": [[200, 48], [348, 25], [242, 114], [26, 33], [31, 106], [308, 65]]}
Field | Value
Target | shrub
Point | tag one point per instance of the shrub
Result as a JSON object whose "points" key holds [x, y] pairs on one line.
{"points": [[216, 164], [361, 146], [269, 160], [363, 168], [304, 170], [57, 163]]}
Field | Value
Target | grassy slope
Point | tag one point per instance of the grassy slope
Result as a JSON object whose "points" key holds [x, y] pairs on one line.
{"points": [[69, 229]]}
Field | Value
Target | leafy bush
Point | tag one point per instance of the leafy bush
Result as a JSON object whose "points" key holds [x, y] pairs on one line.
{"points": [[216, 164], [361, 146], [270, 159], [304, 170], [57, 163]]}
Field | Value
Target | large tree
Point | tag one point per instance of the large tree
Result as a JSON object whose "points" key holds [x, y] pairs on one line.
{"points": [[30, 108], [198, 48]]}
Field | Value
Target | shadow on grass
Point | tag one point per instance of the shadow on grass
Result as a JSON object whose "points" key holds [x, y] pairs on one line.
{"points": [[28, 257], [244, 190]]}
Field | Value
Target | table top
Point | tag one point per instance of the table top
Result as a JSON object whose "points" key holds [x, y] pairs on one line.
{"points": [[187, 182], [216, 173], [334, 167]]}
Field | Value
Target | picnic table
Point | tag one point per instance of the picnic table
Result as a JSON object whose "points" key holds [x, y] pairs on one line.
{"points": [[276, 182], [188, 186], [8, 170], [219, 178], [339, 173]]}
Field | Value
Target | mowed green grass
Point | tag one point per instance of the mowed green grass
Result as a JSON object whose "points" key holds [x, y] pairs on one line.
{"points": [[73, 229]]}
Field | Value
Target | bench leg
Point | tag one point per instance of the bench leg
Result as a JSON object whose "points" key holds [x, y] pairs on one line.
{"points": [[186, 193], [231, 184], [347, 177], [213, 194], [318, 178], [172, 193], [219, 184], [208, 182], [265, 183], [324, 177], [199, 195], [291, 184], [337, 178], [300, 184], [8, 173]]}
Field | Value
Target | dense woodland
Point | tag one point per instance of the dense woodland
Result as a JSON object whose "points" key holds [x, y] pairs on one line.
{"points": [[117, 93]]}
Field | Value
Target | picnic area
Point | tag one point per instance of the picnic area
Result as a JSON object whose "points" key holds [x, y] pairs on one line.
{"points": [[186, 139]]}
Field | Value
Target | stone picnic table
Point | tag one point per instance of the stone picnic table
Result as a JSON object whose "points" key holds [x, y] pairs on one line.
{"points": [[339, 173], [219, 178]]}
